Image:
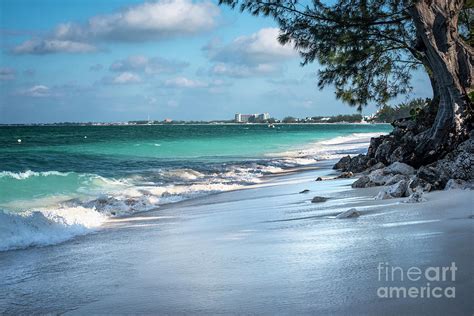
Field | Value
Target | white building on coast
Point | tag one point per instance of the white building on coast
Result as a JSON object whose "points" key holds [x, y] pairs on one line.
{"points": [[244, 118]]}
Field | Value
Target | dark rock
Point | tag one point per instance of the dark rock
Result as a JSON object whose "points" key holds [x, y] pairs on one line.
{"points": [[458, 184], [397, 154], [468, 145], [402, 150], [435, 177], [411, 125], [416, 183], [319, 199], [459, 165], [351, 213], [383, 195], [450, 163], [374, 144], [396, 178], [319, 179], [399, 168], [345, 175], [304, 191], [372, 162], [416, 197], [401, 123], [343, 162], [357, 164], [383, 151], [362, 182], [378, 165], [378, 177], [396, 190]]}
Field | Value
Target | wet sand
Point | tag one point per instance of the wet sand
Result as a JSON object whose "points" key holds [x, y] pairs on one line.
{"points": [[263, 250]]}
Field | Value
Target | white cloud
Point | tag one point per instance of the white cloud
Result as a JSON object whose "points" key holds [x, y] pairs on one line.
{"points": [[143, 22], [51, 46], [253, 55], [122, 78], [242, 71], [182, 82], [7, 73], [150, 66], [37, 91], [41, 90], [126, 77]]}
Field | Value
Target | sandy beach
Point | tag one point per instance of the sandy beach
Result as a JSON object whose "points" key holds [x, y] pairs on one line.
{"points": [[236, 157], [262, 250]]}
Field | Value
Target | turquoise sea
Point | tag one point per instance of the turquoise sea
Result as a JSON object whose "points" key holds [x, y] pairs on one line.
{"points": [[60, 181]]}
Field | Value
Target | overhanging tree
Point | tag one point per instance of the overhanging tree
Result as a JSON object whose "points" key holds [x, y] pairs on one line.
{"points": [[368, 50]]}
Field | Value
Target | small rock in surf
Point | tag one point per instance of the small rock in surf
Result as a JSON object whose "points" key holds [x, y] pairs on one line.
{"points": [[319, 199], [348, 214]]}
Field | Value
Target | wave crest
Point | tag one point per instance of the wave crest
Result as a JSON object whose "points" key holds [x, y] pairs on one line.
{"points": [[28, 174], [46, 227], [95, 198]]}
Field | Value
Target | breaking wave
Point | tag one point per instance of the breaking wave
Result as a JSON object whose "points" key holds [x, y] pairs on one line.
{"points": [[46, 227], [91, 199], [27, 174]]}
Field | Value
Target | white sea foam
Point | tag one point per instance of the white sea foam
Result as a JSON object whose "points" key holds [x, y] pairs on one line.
{"points": [[46, 227], [329, 149], [186, 174], [144, 198], [103, 197], [27, 174]]}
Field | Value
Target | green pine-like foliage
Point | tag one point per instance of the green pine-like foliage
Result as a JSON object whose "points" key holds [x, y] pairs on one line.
{"points": [[366, 49]]}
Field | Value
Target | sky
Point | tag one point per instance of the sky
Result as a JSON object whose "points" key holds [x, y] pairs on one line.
{"points": [[120, 60]]}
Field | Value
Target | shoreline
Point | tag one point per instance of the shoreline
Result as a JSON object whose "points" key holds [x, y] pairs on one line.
{"points": [[212, 254], [67, 220], [180, 124]]}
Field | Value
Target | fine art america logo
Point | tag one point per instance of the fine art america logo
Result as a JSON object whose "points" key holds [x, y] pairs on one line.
{"points": [[433, 281]]}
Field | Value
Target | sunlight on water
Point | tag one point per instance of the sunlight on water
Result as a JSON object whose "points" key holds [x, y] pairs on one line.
{"points": [[56, 173]]}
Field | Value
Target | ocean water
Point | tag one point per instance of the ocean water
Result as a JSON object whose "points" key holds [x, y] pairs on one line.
{"points": [[59, 182]]}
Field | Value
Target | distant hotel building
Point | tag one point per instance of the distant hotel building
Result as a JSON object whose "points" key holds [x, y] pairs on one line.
{"points": [[244, 118]]}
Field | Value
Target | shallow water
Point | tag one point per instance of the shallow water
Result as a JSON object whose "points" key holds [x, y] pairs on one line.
{"points": [[266, 250], [76, 177]]}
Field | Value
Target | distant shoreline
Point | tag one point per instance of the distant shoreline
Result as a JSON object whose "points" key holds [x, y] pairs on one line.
{"points": [[179, 124]]}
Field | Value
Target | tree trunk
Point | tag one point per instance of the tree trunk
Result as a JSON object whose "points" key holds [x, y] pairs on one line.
{"points": [[450, 61]]}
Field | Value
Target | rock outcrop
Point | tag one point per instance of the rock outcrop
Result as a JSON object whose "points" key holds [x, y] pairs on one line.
{"points": [[416, 197], [363, 182], [396, 178], [458, 184], [383, 164], [397, 190], [345, 175], [342, 163], [399, 168], [458, 164]]}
